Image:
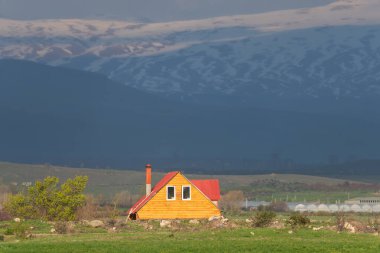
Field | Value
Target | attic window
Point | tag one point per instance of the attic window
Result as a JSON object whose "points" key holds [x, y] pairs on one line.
{"points": [[170, 193], [186, 193]]}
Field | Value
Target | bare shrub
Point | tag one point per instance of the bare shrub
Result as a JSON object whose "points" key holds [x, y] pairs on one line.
{"points": [[122, 199], [61, 227], [232, 201], [101, 200], [374, 224], [93, 210], [5, 192], [111, 222], [110, 212], [4, 216], [340, 219], [90, 209]]}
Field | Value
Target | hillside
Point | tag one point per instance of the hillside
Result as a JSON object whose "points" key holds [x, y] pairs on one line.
{"points": [[107, 181]]}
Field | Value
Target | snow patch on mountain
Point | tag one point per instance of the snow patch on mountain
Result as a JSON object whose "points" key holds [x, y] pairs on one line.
{"points": [[340, 61], [332, 49]]}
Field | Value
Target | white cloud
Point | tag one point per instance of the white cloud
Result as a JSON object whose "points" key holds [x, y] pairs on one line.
{"points": [[157, 10]]}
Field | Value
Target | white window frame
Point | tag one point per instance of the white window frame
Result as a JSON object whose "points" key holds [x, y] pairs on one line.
{"points": [[183, 186], [167, 192]]}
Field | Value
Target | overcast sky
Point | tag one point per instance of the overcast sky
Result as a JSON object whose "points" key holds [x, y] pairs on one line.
{"points": [[154, 10]]}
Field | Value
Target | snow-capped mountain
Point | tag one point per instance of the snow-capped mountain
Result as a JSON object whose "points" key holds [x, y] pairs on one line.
{"points": [[329, 51]]}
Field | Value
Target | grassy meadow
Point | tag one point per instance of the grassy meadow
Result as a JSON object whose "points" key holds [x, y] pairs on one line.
{"points": [[133, 237]]}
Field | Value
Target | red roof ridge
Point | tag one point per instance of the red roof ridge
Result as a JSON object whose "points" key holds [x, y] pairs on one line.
{"points": [[209, 187], [142, 201]]}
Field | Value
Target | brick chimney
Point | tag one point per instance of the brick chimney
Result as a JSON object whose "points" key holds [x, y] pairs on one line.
{"points": [[148, 169]]}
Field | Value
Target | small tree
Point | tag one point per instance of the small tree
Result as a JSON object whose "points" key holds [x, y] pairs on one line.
{"points": [[47, 201]]}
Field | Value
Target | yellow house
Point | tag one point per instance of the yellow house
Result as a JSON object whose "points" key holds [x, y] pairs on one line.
{"points": [[176, 197]]}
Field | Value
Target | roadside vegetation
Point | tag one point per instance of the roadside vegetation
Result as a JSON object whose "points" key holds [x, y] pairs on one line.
{"points": [[237, 234], [49, 216]]}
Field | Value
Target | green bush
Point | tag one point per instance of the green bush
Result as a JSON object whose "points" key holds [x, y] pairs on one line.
{"points": [[1, 238], [19, 206], [263, 218], [19, 230], [45, 200], [9, 231], [298, 220]]}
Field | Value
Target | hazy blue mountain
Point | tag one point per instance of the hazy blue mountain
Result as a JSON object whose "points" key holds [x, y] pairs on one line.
{"points": [[64, 116]]}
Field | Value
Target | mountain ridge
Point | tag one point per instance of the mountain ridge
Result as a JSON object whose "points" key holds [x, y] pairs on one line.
{"points": [[322, 52]]}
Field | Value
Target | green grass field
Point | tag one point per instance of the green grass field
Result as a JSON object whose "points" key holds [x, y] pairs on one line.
{"points": [[236, 236], [222, 240]]}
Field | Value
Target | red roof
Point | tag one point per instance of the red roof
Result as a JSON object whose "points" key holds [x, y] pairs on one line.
{"points": [[141, 202], [210, 187]]}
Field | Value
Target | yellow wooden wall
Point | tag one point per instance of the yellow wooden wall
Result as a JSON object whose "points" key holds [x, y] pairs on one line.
{"points": [[159, 208]]}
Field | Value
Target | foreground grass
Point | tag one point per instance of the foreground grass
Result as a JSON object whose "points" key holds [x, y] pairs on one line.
{"points": [[218, 240]]}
